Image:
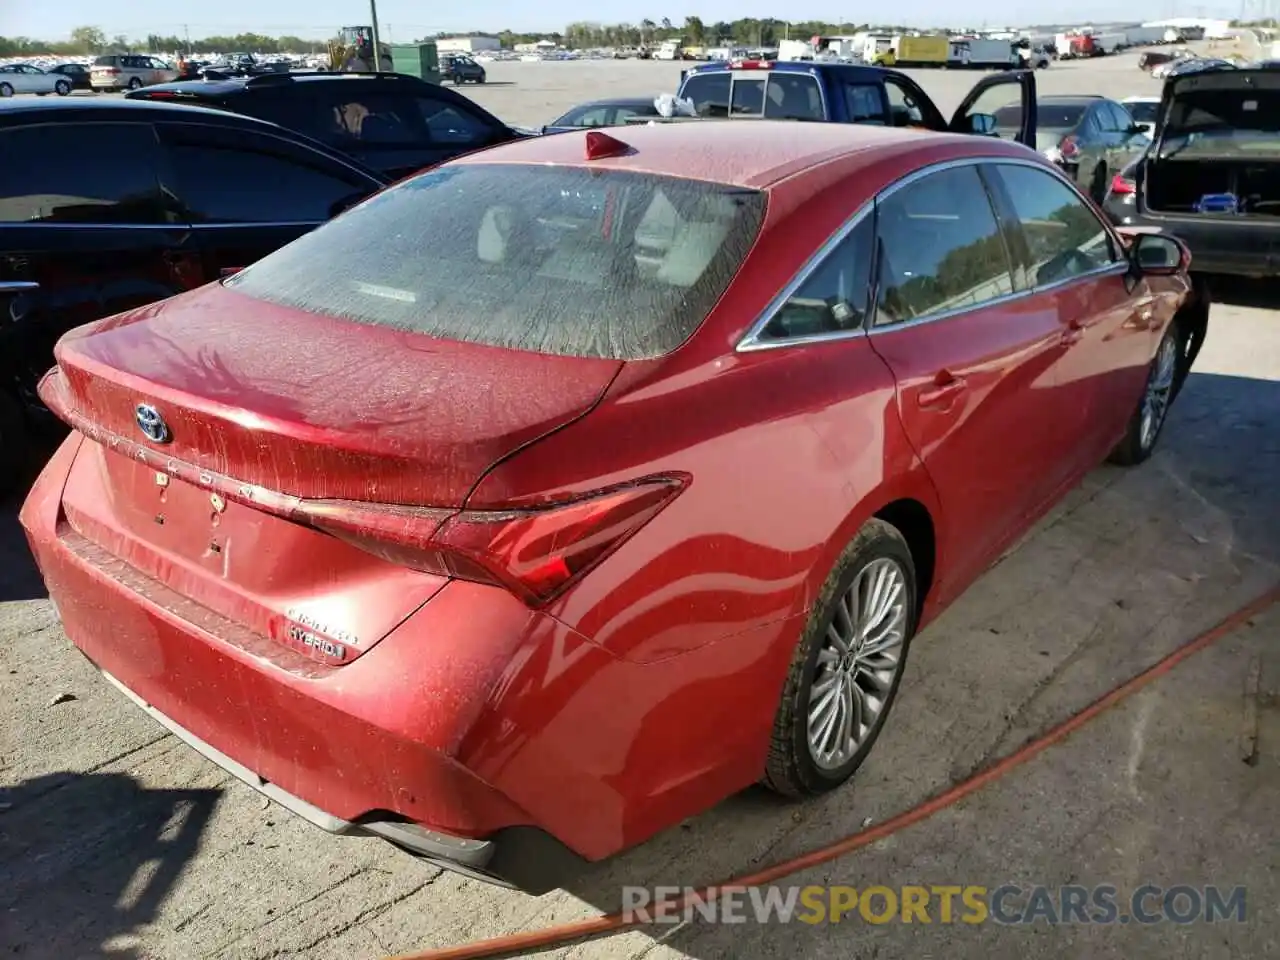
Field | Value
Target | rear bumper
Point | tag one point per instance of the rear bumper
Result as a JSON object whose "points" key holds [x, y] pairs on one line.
{"points": [[358, 750], [472, 856], [1243, 250], [492, 739]]}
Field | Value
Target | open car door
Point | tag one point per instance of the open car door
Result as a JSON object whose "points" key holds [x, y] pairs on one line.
{"points": [[978, 113]]}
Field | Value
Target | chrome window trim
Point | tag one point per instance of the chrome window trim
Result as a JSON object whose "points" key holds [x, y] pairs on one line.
{"points": [[751, 340]]}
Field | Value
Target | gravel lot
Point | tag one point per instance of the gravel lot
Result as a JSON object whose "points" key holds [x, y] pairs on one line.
{"points": [[117, 840]]}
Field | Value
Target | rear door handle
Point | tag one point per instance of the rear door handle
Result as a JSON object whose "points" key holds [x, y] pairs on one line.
{"points": [[946, 387], [18, 286], [1075, 332]]}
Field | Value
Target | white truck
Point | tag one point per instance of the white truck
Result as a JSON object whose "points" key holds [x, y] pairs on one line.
{"points": [[670, 50], [982, 53]]}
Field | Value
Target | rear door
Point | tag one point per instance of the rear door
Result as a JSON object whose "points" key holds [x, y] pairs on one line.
{"points": [[974, 363], [80, 240], [1079, 273], [248, 193], [976, 114]]}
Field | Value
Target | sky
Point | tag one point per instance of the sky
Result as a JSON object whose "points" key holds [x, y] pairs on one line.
{"points": [[409, 19]]}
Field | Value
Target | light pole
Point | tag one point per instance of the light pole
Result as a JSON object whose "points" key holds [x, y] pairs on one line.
{"points": [[377, 44]]}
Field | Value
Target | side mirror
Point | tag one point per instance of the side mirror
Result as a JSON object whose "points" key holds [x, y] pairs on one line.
{"points": [[982, 124], [1158, 255]]}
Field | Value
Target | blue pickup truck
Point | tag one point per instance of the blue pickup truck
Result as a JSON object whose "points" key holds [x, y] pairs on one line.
{"points": [[834, 92]]}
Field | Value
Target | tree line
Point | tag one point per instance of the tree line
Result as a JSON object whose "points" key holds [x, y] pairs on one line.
{"points": [[88, 40]]}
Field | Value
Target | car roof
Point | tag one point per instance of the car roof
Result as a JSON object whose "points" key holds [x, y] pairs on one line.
{"points": [[64, 108], [1071, 98], [748, 153], [793, 66]]}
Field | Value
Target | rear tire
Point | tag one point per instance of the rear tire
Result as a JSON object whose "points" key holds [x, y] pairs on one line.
{"points": [[830, 681], [1158, 394], [62, 88], [135, 84], [6, 90]]}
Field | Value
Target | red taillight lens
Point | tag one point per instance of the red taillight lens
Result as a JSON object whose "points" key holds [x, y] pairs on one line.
{"points": [[1119, 185], [536, 554], [1069, 148]]}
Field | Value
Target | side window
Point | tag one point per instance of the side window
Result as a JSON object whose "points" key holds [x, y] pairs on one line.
{"points": [[592, 117], [709, 93], [46, 178], [1121, 117], [1064, 236], [864, 102], [1099, 120], [453, 125], [941, 248], [793, 96], [835, 296], [747, 96], [903, 111], [237, 176]]}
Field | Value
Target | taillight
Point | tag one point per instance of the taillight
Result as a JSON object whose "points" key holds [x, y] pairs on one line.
{"points": [[1120, 185], [1069, 148], [536, 554]]}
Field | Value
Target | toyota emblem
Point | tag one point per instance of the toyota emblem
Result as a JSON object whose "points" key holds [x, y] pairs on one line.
{"points": [[152, 424]]}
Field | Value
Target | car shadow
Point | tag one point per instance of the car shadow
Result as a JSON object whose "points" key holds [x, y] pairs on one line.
{"points": [[90, 859], [19, 577]]}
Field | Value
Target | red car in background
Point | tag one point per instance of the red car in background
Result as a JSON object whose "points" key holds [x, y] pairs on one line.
{"points": [[629, 495]]}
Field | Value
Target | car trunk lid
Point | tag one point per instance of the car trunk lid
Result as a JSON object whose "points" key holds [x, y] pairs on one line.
{"points": [[1217, 146], [272, 415], [317, 407]]}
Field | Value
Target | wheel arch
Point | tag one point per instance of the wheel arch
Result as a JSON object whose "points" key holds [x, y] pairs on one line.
{"points": [[911, 506]]}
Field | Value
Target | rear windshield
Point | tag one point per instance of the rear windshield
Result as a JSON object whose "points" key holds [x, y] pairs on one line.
{"points": [[105, 61], [556, 260], [1049, 116], [1216, 121], [774, 94]]}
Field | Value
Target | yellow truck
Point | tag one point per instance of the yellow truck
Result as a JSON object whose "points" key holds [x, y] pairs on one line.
{"points": [[931, 51]]}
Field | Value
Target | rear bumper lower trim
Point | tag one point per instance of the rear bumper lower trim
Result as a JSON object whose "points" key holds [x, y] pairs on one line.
{"points": [[466, 853]]}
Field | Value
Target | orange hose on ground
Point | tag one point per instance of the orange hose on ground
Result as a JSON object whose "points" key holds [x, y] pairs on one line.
{"points": [[520, 943]]}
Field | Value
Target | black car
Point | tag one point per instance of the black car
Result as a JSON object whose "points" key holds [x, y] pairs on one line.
{"points": [[393, 123], [175, 197], [603, 113], [77, 73], [461, 69], [1212, 174]]}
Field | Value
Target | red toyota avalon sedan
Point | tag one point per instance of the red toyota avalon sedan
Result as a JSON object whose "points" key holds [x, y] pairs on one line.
{"points": [[561, 491]]}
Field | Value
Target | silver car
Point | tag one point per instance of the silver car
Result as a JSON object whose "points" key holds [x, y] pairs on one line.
{"points": [[129, 71], [24, 78]]}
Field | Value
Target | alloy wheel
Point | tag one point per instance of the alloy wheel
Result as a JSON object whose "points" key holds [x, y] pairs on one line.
{"points": [[858, 663], [1155, 402]]}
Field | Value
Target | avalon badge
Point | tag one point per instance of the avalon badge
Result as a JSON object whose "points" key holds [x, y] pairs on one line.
{"points": [[152, 424]]}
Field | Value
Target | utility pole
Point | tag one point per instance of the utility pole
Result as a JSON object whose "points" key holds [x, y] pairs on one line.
{"points": [[186, 32], [377, 40]]}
